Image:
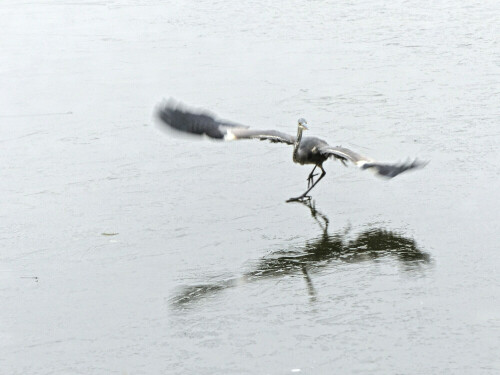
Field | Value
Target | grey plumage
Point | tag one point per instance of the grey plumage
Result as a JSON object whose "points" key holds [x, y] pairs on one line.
{"points": [[307, 150], [200, 123], [388, 170]]}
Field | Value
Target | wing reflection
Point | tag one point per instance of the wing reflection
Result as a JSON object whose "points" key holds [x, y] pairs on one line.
{"points": [[317, 253]]}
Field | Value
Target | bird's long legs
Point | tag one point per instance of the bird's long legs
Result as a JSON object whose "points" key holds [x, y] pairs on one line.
{"points": [[310, 179], [305, 196]]}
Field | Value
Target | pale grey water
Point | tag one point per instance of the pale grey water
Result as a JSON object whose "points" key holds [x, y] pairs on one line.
{"points": [[211, 272]]}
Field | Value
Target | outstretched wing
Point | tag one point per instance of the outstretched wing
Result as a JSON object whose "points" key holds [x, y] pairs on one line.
{"points": [[204, 123], [388, 170]]}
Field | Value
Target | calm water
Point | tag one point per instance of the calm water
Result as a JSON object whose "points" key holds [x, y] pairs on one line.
{"points": [[128, 251]]}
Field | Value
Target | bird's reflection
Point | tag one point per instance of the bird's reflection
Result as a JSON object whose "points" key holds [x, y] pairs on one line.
{"points": [[317, 253]]}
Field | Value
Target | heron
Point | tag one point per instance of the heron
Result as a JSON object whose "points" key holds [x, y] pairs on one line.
{"points": [[306, 150]]}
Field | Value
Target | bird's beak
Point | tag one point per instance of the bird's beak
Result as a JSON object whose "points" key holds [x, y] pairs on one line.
{"points": [[305, 127]]}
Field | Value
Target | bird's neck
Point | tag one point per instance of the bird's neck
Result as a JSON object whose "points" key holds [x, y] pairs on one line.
{"points": [[297, 144]]}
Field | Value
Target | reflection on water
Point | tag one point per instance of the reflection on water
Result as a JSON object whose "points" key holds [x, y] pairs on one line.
{"points": [[317, 253]]}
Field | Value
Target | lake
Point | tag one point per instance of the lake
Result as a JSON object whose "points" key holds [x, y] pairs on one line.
{"points": [[125, 250]]}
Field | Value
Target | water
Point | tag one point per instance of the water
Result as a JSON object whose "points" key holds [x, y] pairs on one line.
{"points": [[125, 250]]}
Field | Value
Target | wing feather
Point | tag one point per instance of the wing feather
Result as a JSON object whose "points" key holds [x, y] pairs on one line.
{"points": [[263, 135], [204, 123], [388, 170]]}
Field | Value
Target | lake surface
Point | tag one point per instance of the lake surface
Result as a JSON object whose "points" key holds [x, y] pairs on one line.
{"points": [[126, 250]]}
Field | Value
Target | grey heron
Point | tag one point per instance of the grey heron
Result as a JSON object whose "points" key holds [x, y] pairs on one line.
{"points": [[306, 150]]}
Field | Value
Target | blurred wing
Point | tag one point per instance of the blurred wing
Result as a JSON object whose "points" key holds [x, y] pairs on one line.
{"points": [[388, 170], [263, 135], [204, 123]]}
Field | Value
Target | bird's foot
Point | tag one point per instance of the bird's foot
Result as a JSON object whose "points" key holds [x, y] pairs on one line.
{"points": [[302, 198]]}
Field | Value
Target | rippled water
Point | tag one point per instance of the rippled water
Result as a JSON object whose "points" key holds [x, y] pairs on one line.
{"points": [[125, 250]]}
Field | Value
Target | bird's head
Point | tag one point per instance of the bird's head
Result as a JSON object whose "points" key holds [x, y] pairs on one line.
{"points": [[303, 124]]}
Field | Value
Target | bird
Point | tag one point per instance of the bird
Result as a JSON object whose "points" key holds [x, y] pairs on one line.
{"points": [[306, 150]]}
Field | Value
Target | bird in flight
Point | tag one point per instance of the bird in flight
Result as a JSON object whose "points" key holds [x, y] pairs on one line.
{"points": [[306, 150]]}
